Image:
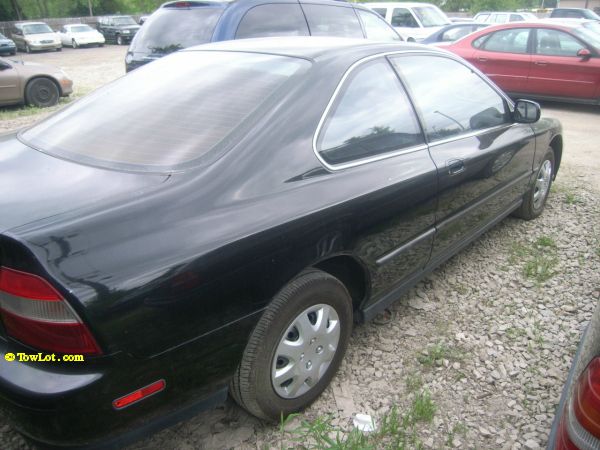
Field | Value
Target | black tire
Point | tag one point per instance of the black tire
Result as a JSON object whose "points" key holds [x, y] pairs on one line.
{"points": [[13, 52], [100, 45], [119, 40], [535, 199], [59, 49], [252, 387], [42, 92]]}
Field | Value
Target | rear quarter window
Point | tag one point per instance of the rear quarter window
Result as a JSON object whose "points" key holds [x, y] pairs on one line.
{"points": [[370, 116], [272, 20], [326, 20]]}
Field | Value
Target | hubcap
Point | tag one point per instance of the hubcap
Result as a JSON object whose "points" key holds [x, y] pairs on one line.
{"points": [[542, 184], [305, 351]]}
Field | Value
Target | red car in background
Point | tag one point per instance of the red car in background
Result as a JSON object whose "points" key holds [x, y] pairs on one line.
{"points": [[548, 61]]}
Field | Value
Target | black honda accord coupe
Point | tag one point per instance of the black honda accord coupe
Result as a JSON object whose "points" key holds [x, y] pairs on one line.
{"points": [[216, 222]]}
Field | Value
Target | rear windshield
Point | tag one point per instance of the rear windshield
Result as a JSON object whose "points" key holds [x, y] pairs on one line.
{"points": [[171, 29], [430, 16], [38, 28], [124, 20], [179, 111], [81, 29]]}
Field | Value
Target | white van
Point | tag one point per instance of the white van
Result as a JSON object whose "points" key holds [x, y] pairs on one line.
{"points": [[414, 21]]}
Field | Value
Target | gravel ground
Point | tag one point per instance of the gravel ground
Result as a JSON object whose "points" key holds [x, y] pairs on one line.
{"points": [[490, 344]]}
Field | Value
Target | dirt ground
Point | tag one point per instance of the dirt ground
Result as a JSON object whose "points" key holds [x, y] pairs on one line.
{"points": [[508, 341]]}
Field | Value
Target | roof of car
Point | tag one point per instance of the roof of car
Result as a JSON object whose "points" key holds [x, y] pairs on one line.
{"points": [[30, 23], [396, 4], [308, 47]]}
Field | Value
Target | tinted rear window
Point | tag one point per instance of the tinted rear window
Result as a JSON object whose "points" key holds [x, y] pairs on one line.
{"points": [[184, 109], [171, 29], [272, 20]]}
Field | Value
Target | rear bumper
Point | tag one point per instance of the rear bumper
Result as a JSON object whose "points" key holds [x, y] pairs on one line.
{"points": [[69, 405]]}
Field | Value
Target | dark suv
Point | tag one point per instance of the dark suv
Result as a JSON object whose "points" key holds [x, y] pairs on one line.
{"points": [[176, 25], [574, 13], [118, 29]]}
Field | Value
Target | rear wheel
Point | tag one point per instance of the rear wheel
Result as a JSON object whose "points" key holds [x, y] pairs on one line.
{"points": [[535, 199], [42, 92], [296, 347]]}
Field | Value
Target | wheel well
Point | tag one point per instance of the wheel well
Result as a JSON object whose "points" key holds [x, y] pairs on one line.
{"points": [[351, 273], [56, 83], [557, 146]]}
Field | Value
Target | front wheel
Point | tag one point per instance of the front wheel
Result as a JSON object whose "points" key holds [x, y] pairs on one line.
{"points": [[74, 43], [42, 92], [296, 347], [535, 199]]}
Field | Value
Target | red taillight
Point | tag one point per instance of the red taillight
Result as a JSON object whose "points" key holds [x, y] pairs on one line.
{"points": [[35, 313], [140, 394], [586, 398]]}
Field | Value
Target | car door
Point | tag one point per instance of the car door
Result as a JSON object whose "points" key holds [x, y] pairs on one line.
{"points": [[10, 86], [504, 57], [556, 69], [405, 23], [17, 36], [484, 161], [370, 137]]}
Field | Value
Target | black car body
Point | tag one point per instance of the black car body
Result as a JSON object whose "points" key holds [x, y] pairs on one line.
{"points": [[574, 13], [453, 32], [164, 232], [118, 29], [7, 46], [177, 25], [576, 425]]}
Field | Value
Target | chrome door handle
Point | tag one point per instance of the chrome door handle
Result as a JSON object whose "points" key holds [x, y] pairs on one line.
{"points": [[455, 166], [540, 63]]}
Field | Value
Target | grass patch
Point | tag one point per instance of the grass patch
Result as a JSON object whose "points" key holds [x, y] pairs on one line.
{"points": [[393, 430], [414, 382], [435, 354], [458, 428], [539, 259], [19, 111], [572, 199]]}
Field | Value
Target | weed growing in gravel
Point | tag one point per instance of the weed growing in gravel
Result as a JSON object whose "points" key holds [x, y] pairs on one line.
{"points": [[434, 355], [458, 428], [572, 199], [414, 382], [395, 431], [540, 258]]}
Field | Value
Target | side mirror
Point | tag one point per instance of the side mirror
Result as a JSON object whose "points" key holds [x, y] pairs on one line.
{"points": [[526, 111], [584, 53]]}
